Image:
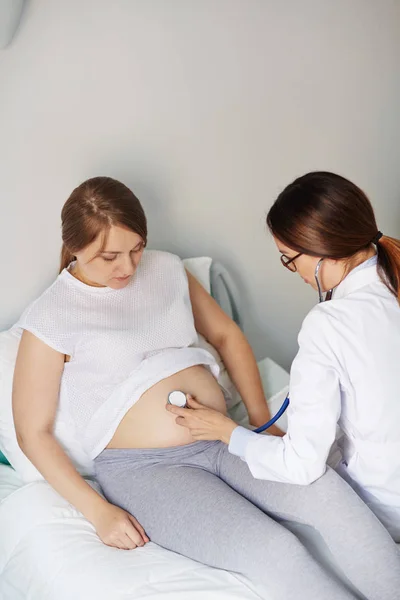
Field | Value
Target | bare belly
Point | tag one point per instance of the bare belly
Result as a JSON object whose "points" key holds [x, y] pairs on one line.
{"points": [[149, 425]]}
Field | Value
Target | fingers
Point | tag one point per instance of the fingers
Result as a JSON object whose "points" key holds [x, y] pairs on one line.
{"points": [[122, 542], [176, 410], [134, 535], [192, 402], [140, 529], [197, 435], [181, 412], [128, 542]]}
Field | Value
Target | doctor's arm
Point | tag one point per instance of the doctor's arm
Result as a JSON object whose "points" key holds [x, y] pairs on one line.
{"points": [[300, 456], [236, 353]]}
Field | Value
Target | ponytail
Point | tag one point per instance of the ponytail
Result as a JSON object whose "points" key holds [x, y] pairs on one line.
{"points": [[66, 258], [388, 250]]}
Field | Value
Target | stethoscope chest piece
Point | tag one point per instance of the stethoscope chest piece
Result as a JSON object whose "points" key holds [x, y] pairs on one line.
{"points": [[177, 398]]}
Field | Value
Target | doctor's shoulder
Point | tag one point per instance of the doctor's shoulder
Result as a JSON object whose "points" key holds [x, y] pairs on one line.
{"points": [[322, 325], [332, 330]]}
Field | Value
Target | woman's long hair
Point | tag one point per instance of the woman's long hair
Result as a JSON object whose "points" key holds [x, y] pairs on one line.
{"points": [[92, 208]]}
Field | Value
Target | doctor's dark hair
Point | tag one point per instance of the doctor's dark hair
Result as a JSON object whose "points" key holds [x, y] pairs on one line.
{"points": [[92, 208], [325, 215]]}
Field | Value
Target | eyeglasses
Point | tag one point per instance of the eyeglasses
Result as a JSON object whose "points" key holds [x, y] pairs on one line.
{"points": [[289, 262]]}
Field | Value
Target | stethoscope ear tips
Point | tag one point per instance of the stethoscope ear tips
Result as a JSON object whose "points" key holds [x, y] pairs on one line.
{"points": [[177, 398]]}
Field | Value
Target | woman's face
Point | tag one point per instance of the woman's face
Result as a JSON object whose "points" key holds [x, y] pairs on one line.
{"points": [[116, 264], [330, 273]]}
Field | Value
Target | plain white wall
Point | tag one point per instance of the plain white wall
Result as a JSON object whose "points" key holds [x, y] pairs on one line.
{"points": [[206, 109]]}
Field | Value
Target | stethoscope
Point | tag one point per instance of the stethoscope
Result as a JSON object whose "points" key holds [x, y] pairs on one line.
{"points": [[178, 398], [329, 293]]}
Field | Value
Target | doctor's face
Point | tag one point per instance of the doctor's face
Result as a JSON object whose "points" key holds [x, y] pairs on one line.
{"points": [[330, 273]]}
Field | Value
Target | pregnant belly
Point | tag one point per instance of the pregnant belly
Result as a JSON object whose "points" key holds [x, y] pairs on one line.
{"points": [[148, 425]]}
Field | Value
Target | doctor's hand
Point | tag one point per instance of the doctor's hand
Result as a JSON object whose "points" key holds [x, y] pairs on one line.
{"points": [[117, 528], [203, 423]]}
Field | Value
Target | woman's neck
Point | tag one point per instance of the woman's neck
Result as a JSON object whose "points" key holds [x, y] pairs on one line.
{"points": [[75, 271]]}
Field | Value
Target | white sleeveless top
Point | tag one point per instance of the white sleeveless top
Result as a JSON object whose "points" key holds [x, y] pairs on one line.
{"points": [[121, 343]]}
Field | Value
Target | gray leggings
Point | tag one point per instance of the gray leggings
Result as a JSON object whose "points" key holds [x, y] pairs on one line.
{"points": [[202, 502]]}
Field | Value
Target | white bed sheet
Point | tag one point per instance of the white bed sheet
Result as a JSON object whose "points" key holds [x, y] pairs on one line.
{"points": [[48, 551]]}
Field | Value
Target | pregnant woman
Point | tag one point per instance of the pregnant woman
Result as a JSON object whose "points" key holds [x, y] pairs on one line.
{"points": [[101, 350]]}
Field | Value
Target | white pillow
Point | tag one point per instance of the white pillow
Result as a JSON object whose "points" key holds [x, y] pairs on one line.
{"points": [[199, 267]]}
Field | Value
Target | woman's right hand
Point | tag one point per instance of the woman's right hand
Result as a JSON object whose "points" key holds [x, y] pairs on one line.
{"points": [[119, 529]]}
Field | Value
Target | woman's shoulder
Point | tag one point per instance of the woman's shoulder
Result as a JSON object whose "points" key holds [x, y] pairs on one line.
{"points": [[46, 303], [160, 256], [47, 317], [161, 260]]}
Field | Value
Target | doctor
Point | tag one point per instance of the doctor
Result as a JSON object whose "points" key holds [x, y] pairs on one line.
{"points": [[347, 370]]}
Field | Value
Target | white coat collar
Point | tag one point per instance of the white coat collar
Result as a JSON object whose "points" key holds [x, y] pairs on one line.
{"points": [[359, 277]]}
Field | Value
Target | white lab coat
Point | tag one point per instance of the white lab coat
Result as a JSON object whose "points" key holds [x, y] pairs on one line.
{"points": [[346, 372]]}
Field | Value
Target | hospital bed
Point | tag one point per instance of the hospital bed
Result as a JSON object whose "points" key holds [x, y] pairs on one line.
{"points": [[49, 551]]}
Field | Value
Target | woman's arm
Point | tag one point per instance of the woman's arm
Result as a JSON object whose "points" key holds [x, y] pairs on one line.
{"points": [[211, 322], [36, 389]]}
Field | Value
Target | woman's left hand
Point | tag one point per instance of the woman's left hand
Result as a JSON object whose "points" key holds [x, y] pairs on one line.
{"points": [[203, 423]]}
